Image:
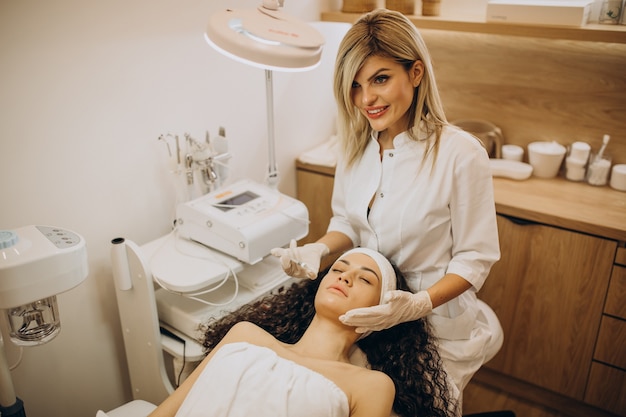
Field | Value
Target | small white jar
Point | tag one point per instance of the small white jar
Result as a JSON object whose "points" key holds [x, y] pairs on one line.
{"points": [[618, 177], [512, 152], [575, 169], [576, 161], [580, 151]]}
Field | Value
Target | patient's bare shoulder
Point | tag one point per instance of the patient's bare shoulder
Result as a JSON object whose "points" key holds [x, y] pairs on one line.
{"points": [[373, 394], [245, 331]]}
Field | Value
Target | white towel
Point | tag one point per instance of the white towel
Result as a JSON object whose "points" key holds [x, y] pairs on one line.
{"points": [[324, 154], [245, 380]]}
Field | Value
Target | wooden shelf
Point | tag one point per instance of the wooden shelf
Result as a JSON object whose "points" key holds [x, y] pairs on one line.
{"points": [[476, 23], [599, 211]]}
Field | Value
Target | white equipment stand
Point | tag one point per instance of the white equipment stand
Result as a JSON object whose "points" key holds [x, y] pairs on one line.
{"points": [[148, 311]]}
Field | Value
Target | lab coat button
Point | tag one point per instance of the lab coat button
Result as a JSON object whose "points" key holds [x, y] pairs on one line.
{"points": [[382, 195], [391, 154]]}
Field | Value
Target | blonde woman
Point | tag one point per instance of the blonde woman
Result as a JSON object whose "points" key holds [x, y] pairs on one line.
{"points": [[412, 187]]}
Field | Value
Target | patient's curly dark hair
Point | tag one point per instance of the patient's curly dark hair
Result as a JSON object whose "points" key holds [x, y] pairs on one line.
{"points": [[407, 352]]}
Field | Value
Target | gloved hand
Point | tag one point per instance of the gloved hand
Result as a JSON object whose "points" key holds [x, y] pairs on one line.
{"points": [[301, 262], [397, 307]]}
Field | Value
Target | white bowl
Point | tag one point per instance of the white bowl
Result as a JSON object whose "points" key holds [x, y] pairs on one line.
{"points": [[545, 158], [512, 152]]}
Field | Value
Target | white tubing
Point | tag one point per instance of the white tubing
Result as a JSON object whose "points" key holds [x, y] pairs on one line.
{"points": [[119, 260], [7, 392]]}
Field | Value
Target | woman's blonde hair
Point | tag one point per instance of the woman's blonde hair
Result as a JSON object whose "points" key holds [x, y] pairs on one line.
{"points": [[388, 34]]}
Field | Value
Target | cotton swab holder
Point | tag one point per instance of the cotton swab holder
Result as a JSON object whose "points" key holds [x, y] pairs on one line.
{"points": [[599, 165]]}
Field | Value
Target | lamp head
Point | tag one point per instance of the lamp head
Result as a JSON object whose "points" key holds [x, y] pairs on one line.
{"points": [[265, 37], [36, 263]]}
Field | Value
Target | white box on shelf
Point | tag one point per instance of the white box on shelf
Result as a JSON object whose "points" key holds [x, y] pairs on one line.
{"points": [[540, 12]]}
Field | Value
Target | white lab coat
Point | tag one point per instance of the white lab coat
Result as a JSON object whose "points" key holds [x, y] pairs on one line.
{"points": [[429, 222]]}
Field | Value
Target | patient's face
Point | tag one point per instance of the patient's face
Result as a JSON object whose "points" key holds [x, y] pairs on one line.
{"points": [[352, 282]]}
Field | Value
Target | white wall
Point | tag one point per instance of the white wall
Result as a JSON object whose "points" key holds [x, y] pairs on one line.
{"points": [[86, 88]]}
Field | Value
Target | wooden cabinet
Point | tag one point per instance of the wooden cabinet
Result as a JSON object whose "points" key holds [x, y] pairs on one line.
{"points": [[607, 388], [314, 186], [548, 290], [607, 381]]}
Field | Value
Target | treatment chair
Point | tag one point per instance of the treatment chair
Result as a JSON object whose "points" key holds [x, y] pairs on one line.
{"points": [[150, 382], [140, 408]]}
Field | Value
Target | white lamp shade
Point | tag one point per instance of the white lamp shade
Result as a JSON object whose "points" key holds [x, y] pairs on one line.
{"points": [[264, 38]]}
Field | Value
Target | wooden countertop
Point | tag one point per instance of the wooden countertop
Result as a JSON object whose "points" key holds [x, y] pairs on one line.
{"points": [[558, 202], [572, 205]]}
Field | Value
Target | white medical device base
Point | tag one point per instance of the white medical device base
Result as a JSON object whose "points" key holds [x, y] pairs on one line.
{"points": [[161, 320], [36, 264], [140, 324]]}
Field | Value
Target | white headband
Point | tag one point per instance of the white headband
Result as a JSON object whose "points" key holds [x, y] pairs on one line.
{"points": [[388, 274]]}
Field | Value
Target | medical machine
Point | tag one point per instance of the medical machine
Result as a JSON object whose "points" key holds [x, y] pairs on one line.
{"points": [[198, 166], [36, 263], [216, 259], [167, 317], [244, 220]]}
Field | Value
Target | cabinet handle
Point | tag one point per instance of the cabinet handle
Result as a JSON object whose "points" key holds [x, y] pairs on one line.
{"points": [[518, 221]]}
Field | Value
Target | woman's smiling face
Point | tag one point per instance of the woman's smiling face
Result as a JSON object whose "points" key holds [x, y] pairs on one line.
{"points": [[383, 91]]}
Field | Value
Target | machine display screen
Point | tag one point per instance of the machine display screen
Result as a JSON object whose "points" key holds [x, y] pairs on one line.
{"points": [[238, 200]]}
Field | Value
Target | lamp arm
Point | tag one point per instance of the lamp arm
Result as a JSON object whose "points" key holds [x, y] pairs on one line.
{"points": [[272, 175]]}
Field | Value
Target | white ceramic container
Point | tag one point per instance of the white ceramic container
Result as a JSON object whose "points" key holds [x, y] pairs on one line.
{"points": [[545, 158], [618, 177]]}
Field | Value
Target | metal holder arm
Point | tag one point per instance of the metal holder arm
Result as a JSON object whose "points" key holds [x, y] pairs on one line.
{"points": [[272, 175]]}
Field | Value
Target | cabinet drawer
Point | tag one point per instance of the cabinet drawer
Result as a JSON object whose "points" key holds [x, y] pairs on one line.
{"points": [[616, 298], [606, 388], [620, 258], [548, 306], [611, 345]]}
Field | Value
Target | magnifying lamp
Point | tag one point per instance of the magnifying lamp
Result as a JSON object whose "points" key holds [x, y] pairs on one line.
{"points": [[36, 264], [269, 39]]}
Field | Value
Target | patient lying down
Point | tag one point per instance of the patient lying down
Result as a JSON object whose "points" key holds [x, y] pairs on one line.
{"points": [[288, 355]]}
